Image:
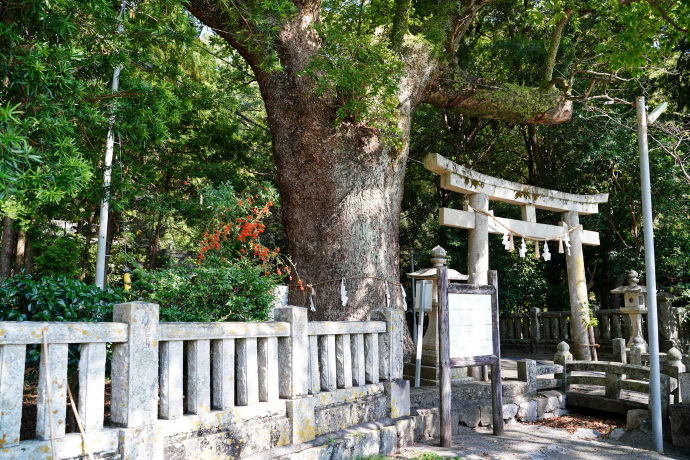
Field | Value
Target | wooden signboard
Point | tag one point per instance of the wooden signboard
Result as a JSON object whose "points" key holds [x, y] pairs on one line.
{"points": [[468, 336]]}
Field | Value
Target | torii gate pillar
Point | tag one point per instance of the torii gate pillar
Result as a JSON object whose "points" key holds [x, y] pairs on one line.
{"points": [[577, 282], [478, 251]]}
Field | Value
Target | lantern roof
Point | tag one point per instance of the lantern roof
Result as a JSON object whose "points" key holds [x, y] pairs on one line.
{"points": [[430, 274]]}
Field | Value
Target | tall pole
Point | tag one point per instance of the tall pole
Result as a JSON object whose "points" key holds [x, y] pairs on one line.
{"points": [[105, 204], [650, 275]]}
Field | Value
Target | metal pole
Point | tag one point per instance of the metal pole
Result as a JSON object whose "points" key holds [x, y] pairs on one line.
{"points": [[650, 275], [420, 337], [105, 204], [414, 304]]}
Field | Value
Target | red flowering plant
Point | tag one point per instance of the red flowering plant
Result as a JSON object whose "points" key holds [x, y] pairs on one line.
{"points": [[234, 275], [234, 232]]}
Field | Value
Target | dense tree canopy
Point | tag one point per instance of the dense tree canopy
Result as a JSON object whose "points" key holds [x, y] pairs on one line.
{"points": [[336, 102]]}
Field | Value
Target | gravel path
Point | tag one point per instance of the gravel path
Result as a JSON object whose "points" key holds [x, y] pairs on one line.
{"points": [[534, 442]]}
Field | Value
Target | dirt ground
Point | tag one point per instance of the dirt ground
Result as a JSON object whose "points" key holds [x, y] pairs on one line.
{"points": [[559, 438]]}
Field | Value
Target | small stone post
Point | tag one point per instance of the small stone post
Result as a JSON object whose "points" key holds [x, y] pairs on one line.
{"points": [[674, 366], [135, 381], [619, 351], [562, 357], [294, 373], [391, 360], [534, 328], [527, 372], [668, 323], [638, 347]]}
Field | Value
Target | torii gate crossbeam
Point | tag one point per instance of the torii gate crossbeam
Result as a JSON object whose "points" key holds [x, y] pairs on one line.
{"points": [[482, 188]]}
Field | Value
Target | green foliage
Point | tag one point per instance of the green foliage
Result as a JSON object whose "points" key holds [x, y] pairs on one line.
{"points": [[358, 71], [238, 291], [48, 298], [59, 256]]}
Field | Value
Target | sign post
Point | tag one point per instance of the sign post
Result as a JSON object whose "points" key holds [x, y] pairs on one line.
{"points": [[468, 336]]}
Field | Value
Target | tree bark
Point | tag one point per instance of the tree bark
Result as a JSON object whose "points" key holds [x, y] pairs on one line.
{"points": [[88, 237], [7, 249], [21, 251], [341, 186]]}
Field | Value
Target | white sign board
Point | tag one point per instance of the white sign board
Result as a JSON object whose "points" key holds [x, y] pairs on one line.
{"points": [[469, 320]]}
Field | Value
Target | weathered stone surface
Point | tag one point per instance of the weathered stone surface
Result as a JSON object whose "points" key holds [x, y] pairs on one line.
{"points": [[560, 398], [389, 440], [234, 440], [294, 353], [684, 385], [680, 424], [398, 392], [135, 366], [57, 363], [198, 354], [405, 430], [636, 418], [314, 371], [509, 411], [357, 355], [301, 413], [619, 351], [268, 369], [485, 415], [527, 412], [390, 343], [12, 359], [223, 373], [327, 362], [587, 433], [247, 372], [469, 415], [171, 391], [91, 386], [527, 372], [430, 423], [141, 442], [371, 358], [616, 434], [30, 332], [343, 360]]}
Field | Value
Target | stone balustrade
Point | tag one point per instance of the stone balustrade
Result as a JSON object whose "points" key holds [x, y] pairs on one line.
{"points": [[181, 380], [615, 378]]}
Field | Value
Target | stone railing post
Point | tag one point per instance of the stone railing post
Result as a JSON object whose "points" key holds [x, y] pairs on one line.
{"points": [[562, 357], [636, 350], [293, 372], [527, 372], [135, 381], [534, 328], [391, 360], [619, 351]]}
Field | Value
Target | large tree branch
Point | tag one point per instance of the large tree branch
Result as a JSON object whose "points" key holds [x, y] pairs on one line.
{"points": [[487, 99], [400, 22], [664, 14]]}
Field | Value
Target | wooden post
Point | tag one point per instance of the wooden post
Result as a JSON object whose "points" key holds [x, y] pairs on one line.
{"points": [[444, 358], [496, 387]]}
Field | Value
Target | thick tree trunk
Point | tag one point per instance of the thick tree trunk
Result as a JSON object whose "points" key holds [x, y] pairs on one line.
{"points": [[152, 251], [341, 187], [21, 252], [7, 249]]}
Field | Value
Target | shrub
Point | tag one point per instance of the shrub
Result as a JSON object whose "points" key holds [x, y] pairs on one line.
{"points": [[60, 257], [48, 298], [237, 291]]}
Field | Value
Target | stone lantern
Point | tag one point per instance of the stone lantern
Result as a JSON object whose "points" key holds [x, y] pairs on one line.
{"points": [[635, 305], [427, 299]]}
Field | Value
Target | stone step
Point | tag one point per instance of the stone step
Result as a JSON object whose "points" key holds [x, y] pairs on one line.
{"points": [[545, 369], [383, 437]]}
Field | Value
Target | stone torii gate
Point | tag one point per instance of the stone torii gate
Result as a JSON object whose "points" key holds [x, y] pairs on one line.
{"points": [[481, 188]]}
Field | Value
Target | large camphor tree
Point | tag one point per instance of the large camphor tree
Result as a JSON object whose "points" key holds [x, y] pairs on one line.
{"points": [[340, 81]]}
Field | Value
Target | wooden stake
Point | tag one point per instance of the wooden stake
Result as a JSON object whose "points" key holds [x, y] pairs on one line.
{"points": [[49, 393], [81, 429]]}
